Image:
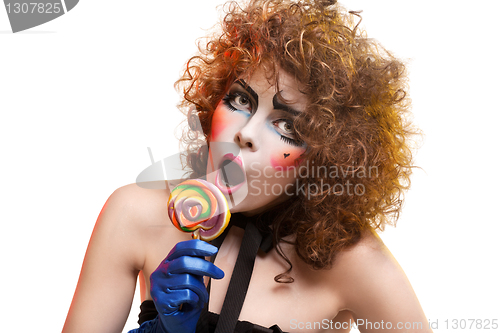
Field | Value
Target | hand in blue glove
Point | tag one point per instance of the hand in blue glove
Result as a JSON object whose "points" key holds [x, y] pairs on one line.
{"points": [[177, 285]]}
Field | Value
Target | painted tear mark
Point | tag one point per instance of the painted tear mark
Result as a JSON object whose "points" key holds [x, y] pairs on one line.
{"points": [[286, 155]]}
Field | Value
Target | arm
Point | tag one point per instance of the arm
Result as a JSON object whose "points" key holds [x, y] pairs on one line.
{"points": [[114, 257], [378, 293]]}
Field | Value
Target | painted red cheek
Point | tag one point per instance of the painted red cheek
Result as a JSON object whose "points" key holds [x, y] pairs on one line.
{"points": [[219, 123], [285, 159]]}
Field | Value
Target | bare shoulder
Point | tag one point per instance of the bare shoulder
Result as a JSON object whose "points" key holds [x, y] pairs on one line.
{"points": [[132, 230], [140, 215], [364, 265], [368, 254], [138, 205], [374, 287]]}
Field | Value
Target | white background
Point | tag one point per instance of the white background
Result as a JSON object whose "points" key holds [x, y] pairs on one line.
{"points": [[83, 96]]}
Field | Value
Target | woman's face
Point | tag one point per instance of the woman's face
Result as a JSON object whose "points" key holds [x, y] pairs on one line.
{"points": [[253, 148]]}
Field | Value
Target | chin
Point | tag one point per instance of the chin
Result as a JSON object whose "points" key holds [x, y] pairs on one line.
{"points": [[249, 206]]}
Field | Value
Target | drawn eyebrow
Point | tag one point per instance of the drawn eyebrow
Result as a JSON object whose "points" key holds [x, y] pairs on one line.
{"points": [[280, 106], [245, 86], [276, 103]]}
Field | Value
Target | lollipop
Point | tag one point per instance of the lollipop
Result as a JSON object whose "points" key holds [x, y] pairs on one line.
{"points": [[199, 207]]}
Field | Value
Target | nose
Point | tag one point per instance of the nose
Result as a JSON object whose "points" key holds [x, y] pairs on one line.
{"points": [[248, 134]]}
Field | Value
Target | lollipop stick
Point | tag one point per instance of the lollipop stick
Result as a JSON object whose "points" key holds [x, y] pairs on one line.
{"points": [[196, 234]]}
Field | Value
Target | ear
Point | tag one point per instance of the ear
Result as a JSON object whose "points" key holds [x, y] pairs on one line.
{"points": [[194, 120]]}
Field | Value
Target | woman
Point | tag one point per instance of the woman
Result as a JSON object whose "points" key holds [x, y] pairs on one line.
{"points": [[316, 113]]}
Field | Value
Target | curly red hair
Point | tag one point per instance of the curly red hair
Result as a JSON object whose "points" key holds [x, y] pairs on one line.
{"points": [[355, 126]]}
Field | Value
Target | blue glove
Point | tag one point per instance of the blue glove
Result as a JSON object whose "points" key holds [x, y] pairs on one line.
{"points": [[177, 286]]}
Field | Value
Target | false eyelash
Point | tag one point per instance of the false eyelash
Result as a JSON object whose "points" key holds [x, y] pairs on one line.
{"points": [[231, 96], [227, 102], [291, 141]]}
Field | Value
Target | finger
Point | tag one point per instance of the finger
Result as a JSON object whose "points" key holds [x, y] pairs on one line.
{"points": [[193, 247], [186, 281], [160, 287], [194, 265], [176, 298], [161, 280]]}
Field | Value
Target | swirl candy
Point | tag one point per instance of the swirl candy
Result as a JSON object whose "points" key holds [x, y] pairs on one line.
{"points": [[199, 207]]}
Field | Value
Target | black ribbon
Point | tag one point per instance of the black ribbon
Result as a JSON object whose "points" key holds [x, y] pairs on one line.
{"points": [[263, 225], [240, 279], [255, 237]]}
